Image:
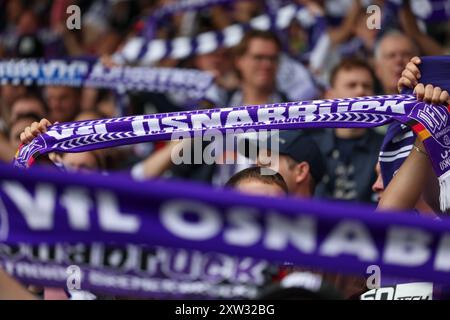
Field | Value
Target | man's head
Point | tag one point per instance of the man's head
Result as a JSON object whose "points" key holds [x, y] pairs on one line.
{"points": [[392, 53], [258, 181], [63, 103], [257, 60], [351, 78], [299, 162], [26, 104]]}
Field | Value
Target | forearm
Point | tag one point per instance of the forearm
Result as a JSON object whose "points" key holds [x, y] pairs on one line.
{"points": [[407, 185]]}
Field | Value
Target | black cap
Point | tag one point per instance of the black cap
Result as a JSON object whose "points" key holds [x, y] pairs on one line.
{"points": [[300, 147]]}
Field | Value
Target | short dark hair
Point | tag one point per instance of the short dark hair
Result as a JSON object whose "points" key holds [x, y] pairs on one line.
{"points": [[242, 47], [349, 64], [254, 173]]}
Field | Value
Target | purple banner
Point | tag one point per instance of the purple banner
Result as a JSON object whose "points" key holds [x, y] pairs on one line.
{"points": [[92, 73], [137, 270], [49, 207]]}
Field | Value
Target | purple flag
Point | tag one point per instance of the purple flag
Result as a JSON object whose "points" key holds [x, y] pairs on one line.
{"points": [[45, 207]]}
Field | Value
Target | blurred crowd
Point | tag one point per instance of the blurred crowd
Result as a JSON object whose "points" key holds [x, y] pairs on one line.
{"points": [[359, 61]]}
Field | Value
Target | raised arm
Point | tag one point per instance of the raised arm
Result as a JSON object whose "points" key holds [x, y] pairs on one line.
{"points": [[405, 188], [415, 178], [427, 44]]}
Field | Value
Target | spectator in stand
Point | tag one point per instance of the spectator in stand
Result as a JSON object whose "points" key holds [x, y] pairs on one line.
{"points": [[392, 53], [350, 153]]}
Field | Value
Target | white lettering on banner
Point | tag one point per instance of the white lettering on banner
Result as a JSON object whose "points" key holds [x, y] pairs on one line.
{"points": [[444, 164], [176, 264], [376, 105], [65, 133], [61, 69], [244, 230], [110, 217], [4, 223], [407, 247], [442, 260], [271, 114], [202, 120], [208, 222], [434, 117], [300, 231], [220, 268], [83, 130], [142, 126], [54, 69], [302, 110], [228, 117], [238, 117], [350, 237], [182, 265], [281, 231], [238, 226], [38, 210], [175, 122], [77, 203], [50, 69]]}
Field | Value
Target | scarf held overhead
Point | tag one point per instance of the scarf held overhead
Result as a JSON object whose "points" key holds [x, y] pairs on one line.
{"points": [[430, 123], [92, 73], [140, 50]]}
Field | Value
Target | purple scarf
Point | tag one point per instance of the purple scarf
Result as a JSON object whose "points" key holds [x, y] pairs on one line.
{"points": [[91, 73], [139, 50], [363, 112], [45, 213]]}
